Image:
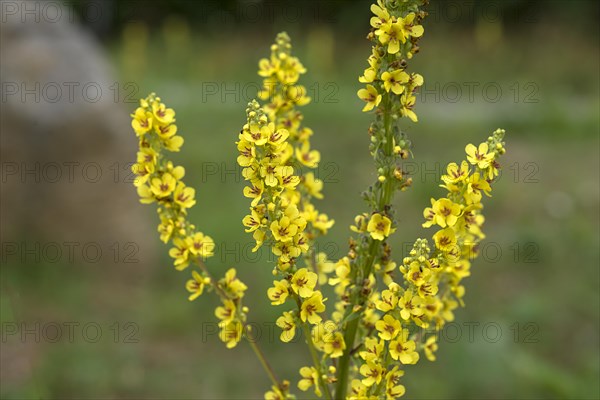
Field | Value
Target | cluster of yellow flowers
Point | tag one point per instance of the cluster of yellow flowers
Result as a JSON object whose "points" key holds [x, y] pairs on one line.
{"points": [[379, 322], [413, 311], [274, 218], [283, 94], [158, 180], [395, 33], [273, 147], [371, 318], [395, 317]]}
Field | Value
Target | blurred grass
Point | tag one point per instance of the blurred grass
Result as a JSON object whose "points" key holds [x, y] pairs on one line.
{"points": [[552, 284]]}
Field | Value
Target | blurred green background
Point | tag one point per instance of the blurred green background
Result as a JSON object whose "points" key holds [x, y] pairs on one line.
{"points": [[531, 325]]}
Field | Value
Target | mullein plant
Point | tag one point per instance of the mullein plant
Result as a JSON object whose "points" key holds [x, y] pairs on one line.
{"points": [[384, 314]]}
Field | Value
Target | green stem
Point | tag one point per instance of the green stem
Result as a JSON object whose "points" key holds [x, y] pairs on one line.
{"points": [[357, 298], [342, 383], [313, 353], [265, 364]]}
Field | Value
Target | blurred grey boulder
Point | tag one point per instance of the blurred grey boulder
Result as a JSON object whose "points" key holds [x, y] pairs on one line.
{"points": [[66, 141]]}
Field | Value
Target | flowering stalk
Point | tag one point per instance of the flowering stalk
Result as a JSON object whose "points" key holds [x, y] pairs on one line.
{"points": [[158, 180], [274, 149], [400, 314], [275, 219], [283, 95], [390, 91]]}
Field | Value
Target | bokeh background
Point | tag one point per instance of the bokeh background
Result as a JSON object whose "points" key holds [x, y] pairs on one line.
{"points": [[90, 304]]}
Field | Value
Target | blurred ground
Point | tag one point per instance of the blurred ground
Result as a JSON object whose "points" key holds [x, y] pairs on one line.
{"points": [[531, 325]]}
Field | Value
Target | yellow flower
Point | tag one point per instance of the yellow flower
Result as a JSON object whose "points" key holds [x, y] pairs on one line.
{"points": [[479, 156], [477, 184], [443, 212], [323, 223], [414, 81], [303, 282], [279, 293], [146, 195], [342, 273], [407, 104], [417, 275], [184, 196], [257, 134], [391, 33], [370, 73], [231, 333], [268, 172], [146, 158], [141, 122], [288, 325], [388, 301], [180, 253], [247, 153], [253, 221], [286, 177], [373, 349], [163, 186], [403, 349], [306, 156], [360, 223], [313, 185], [286, 251], [359, 391], [455, 173], [176, 172], [277, 137], [379, 226], [254, 192], [493, 170], [394, 81], [196, 285], [388, 272], [368, 76], [430, 348], [284, 229], [371, 96], [410, 305], [393, 388], [275, 394], [142, 172], [388, 327], [268, 67], [324, 267], [232, 285], [163, 115], [408, 27], [165, 131], [297, 95], [259, 236], [226, 313], [201, 245], [460, 269], [335, 345], [310, 377], [173, 143], [445, 240], [382, 14], [372, 372], [446, 212], [165, 228], [311, 308]]}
